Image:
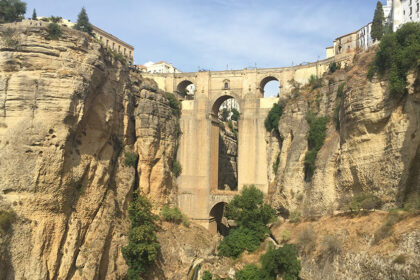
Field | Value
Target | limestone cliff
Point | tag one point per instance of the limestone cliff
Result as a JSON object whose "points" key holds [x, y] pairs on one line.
{"points": [[376, 148], [69, 111]]}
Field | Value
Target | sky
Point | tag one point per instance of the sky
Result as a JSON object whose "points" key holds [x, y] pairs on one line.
{"points": [[220, 34]]}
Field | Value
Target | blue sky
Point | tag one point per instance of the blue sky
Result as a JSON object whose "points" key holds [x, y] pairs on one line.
{"points": [[220, 34]]}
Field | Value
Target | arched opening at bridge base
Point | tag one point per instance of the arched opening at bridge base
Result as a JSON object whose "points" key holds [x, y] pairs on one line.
{"points": [[270, 87], [224, 144], [217, 223]]}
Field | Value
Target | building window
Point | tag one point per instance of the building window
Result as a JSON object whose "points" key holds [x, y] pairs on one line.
{"points": [[411, 11], [119, 48], [107, 42], [417, 7], [113, 46], [130, 53], [124, 51]]}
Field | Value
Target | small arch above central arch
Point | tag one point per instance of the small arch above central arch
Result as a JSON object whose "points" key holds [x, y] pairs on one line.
{"points": [[270, 87], [186, 87]]}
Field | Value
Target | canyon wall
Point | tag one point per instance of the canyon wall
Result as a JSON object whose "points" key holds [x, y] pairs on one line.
{"points": [[374, 148], [69, 115]]}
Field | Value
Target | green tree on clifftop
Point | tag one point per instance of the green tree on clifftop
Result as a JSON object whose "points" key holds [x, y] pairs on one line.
{"points": [[34, 16], [378, 23], [83, 23], [12, 10]]}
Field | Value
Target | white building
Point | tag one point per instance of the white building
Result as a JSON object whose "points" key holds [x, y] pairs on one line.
{"points": [[161, 67], [404, 11], [364, 38]]}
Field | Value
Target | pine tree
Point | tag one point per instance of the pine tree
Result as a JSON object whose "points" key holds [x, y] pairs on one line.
{"points": [[378, 23], [83, 23], [34, 17]]}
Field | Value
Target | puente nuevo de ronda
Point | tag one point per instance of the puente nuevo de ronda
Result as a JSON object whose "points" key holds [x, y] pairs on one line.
{"points": [[199, 195]]}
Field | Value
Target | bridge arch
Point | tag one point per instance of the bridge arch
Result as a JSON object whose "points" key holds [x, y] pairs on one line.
{"points": [[186, 87], [266, 81], [216, 214], [220, 100]]}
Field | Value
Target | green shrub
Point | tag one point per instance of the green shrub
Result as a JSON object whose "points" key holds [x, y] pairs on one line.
{"points": [[143, 246], [398, 53], [54, 19], [317, 134], [315, 82], [54, 31], [333, 67], [10, 39], [249, 272], [364, 201], [174, 104], [207, 275], [130, 159], [225, 114], [299, 197], [295, 87], [273, 117], [276, 164], [117, 56], [176, 168], [340, 92], [6, 220], [171, 214], [307, 239], [252, 216], [295, 217], [281, 262]]}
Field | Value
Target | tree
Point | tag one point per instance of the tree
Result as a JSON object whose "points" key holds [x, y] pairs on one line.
{"points": [[225, 114], [12, 10], [378, 23], [34, 17], [143, 247], [235, 115], [83, 23]]}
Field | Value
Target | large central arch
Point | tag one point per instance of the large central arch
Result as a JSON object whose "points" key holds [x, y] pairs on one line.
{"points": [[265, 81]]}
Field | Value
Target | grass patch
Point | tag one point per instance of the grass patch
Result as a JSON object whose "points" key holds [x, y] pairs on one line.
{"points": [[10, 39], [295, 217], [331, 245], [315, 82], [400, 259], [398, 53], [316, 137], [386, 229]]}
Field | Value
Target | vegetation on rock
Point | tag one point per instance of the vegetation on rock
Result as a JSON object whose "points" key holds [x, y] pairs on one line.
{"points": [[130, 158], [281, 262], [12, 10], [34, 16], [378, 22], [54, 31], [398, 53], [315, 82], [364, 201], [174, 104], [10, 39], [251, 216], [235, 115], [83, 23], [176, 168], [333, 66], [276, 164], [317, 134], [173, 215], [273, 117], [143, 247]]}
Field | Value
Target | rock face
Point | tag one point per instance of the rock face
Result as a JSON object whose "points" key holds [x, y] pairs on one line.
{"points": [[68, 114], [375, 150], [228, 160]]}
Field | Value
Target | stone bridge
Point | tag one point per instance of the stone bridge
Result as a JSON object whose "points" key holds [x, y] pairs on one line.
{"points": [[198, 153]]}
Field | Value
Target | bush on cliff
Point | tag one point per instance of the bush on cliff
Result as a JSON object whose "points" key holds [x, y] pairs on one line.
{"points": [[273, 117], [173, 215], [398, 53], [174, 104], [54, 31], [251, 216], [130, 159], [281, 262], [143, 247], [317, 134], [6, 220], [176, 168]]}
